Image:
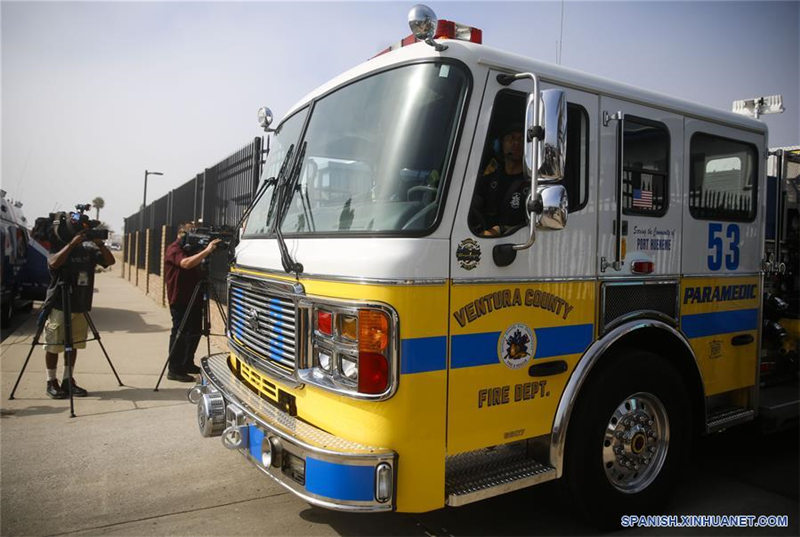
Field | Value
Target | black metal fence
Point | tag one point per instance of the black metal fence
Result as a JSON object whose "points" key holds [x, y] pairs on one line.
{"points": [[233, 183], [218, 197]]}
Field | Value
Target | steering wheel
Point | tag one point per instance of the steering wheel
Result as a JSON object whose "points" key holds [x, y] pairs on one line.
{"points": [[420, 188], [420, 216]]}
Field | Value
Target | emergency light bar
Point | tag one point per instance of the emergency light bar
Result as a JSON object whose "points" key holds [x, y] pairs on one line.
{"points": [[444, 30], [453, 30]]}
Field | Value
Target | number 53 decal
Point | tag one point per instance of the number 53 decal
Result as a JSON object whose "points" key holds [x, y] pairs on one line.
{"points": [[716, 243]]}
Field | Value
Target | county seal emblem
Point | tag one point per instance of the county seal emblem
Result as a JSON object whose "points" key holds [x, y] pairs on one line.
{"points": [[516, 346]]}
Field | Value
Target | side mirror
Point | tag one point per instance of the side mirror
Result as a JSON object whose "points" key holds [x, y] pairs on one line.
{"points": [[533, 132], [555, 207], [553, 149]]}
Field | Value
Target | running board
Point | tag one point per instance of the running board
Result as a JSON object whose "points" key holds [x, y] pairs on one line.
{"points": [[481, 474], [728, 417]]}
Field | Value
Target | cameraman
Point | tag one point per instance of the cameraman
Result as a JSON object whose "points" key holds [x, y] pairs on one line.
{"points": [[71, 267], [182, 274]]}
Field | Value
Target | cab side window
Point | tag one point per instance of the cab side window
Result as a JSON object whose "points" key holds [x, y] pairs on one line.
{"points": [[576, 167], [722, 179], [645, 181], [498, 202]]}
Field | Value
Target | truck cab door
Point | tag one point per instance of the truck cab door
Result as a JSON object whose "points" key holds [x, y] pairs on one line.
{"points": [[641, 167], [538, 309], [720, 293], [640, 212]]}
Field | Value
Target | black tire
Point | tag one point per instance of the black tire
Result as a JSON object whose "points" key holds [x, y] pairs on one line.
{"points": [[604, 489]]}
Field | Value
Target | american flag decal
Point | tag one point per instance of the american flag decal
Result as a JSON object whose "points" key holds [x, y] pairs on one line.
{"points": [[642, 199]]}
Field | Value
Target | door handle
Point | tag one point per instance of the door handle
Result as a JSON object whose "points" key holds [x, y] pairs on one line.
{"points": [[547, 369], [742, 339]]}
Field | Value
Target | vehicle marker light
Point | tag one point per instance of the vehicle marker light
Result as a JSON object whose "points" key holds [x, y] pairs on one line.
{"points": [[373, 331], [383, 482], [643, 267], [373, 373], [325, 322], [348, 326]]}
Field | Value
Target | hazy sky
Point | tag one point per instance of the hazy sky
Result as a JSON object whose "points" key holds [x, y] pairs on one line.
{"points": [[95, 93]]}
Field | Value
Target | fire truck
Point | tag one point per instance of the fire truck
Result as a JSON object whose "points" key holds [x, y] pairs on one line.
{"points": [[386, 353]]}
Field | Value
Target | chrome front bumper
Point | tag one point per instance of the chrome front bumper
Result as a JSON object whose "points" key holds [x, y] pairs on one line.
{"points": [[322, 469]]}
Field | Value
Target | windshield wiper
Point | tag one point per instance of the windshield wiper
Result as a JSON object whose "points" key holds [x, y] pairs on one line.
{"points": [[284, 199], [279, 181]]}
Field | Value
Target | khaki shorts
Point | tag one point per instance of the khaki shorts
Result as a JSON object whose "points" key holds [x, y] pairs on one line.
{"points": [[54, 331]]}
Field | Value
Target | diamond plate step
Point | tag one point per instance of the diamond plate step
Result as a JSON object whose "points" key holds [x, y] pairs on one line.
{"points": [[485, 473], [728, 417]]}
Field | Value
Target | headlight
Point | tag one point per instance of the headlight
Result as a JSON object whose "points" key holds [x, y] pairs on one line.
{"points": [[324, 360], [349, 367], [352, 349]]}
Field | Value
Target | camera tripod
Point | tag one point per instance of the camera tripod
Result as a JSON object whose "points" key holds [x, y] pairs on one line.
{"points": [[69, 348], [201, 291]]}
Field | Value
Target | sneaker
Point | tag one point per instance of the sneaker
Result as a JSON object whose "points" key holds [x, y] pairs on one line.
{"points": [[193, 369], [54, 391], [180, 377], [77, 391]]}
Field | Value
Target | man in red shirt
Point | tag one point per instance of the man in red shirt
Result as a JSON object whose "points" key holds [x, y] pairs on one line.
{"points": [[182, 274]]}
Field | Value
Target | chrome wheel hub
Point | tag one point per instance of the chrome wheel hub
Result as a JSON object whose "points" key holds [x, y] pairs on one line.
{"points": [[635, 442]]}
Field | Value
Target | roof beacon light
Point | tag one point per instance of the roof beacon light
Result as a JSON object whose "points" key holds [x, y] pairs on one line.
{"points": [[425, 27]]}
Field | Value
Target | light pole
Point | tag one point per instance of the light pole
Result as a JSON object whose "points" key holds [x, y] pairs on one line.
{"points": [[144, 197]]}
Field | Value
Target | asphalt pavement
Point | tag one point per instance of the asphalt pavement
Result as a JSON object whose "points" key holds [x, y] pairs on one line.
{"points": [[133, 463]]}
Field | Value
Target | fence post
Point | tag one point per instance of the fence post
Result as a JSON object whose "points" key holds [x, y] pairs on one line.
{"points": [[147, 261], [136, 280], [161, 255], [127, 256], [130, 255], [124, 253]]}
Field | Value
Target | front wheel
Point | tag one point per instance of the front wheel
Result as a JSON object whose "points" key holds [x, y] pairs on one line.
{"points": [[628, 438]]}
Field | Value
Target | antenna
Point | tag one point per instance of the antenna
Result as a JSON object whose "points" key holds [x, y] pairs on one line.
{"points": [[561, 35]]}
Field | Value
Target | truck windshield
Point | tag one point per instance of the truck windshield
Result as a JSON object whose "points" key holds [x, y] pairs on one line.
{"points": [[375, 153], [284, 140]]}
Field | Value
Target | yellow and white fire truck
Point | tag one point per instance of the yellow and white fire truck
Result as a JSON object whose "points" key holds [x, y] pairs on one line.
{"points": [[387, 353]]}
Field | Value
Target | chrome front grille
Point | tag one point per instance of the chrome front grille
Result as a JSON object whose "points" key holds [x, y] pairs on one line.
{"points": [[262, 322]]}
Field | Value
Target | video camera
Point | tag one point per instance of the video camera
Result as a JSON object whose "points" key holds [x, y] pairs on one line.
{"points": [[196, 240], [83, 223], [59, 228]]}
